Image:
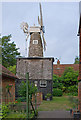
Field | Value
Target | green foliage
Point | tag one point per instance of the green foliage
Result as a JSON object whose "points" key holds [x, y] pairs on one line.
{"points": [[57, 92], [12, 69], [22, 90], [68, 82], [57, 82], [76, 60], [48, 95], [69, 79], [9, 51], [73, 89], [5, 110]]}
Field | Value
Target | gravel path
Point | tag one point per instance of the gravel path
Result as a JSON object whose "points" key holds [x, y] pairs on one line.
{"points": [[54, 114]]}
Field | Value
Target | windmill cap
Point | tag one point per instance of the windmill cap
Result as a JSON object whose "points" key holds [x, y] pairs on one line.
{"points": [[34, 29]]}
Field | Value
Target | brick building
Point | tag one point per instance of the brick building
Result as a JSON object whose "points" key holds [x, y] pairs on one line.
{"points": [[58, 68], [8, 78], [79, 85]]}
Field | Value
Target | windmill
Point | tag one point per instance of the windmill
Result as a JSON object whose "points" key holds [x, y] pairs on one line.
{"points": [[36, 33]]}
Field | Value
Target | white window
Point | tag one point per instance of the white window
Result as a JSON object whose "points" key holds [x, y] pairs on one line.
{"points": [[35, 42], [43, 83]]}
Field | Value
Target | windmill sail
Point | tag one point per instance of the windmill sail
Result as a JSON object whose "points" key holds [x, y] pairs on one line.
{"points": [[41, 20]]}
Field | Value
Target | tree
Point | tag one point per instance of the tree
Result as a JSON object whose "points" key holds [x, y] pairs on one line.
{"points": [[76, 60], [69, 79], [68, 82], [12, 69], [9, 51], [57, 83]]}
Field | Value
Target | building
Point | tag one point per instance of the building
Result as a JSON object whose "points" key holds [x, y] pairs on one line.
{"points": [[8, 79], [79, 85], [40, 72], [58, 69], [40, 68]]}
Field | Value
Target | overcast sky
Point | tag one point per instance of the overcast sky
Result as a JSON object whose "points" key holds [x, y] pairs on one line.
{"points": [[61, 21]]}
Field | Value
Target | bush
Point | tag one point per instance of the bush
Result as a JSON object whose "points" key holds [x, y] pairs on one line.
{"points": [[57, 92], [21, 99], [5, 110], [73, 89], [22, 90], [48, 95], [73, 94]]}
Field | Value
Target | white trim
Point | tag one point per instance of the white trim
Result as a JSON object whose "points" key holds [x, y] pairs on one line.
{"points": [[43, 83], [35, 42]]}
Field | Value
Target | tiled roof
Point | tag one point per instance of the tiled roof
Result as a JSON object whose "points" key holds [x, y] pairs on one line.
{"points": [[58, 69], [6, 72]]}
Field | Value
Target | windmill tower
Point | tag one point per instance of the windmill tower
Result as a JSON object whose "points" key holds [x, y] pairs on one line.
{"points": [[37, 40]]}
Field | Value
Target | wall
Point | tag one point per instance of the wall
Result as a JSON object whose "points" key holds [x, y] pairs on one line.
{"points": [[5, 96], [35, 49], [58, 69], [79, 84], [38, 68]]}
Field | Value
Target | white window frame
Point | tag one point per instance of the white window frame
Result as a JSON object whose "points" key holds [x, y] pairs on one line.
{"points": [[35, 42], [43, 83]]}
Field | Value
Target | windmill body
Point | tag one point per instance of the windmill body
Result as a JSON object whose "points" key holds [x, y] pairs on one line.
{"points": [[35, 47], [40, 68]]}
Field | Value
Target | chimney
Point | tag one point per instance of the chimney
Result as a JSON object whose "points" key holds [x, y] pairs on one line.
{"points": [[58, 62]]}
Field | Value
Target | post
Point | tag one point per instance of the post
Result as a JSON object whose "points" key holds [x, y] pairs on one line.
{"points": [[35, 103], [27, 96]]}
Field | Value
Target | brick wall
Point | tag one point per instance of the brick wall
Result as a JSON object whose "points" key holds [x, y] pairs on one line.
{"points": [[79, 84], [80, 56], [79, 95], [5, 96], [58, 69]]}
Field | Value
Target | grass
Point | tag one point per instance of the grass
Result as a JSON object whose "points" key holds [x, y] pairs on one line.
{"points": [[19, 115], [16, 115], [58, 103]]}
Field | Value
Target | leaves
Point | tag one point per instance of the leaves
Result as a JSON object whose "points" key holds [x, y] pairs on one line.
{"points": [[68, 82], [22, 89], [76, 60], [9, 51], [12, 69]]}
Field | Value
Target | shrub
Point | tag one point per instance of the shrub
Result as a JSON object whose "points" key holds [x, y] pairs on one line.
{"points": [[73, 94], [22, 90], [73, 88], [21, 99], [5, 110], [57, 92], [48, 95]]}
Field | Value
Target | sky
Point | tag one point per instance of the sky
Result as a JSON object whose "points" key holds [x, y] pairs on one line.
{"points": [[61, 21]]}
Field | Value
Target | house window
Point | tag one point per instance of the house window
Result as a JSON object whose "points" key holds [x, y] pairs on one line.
{"points": [[35, 42], [43, 83]]}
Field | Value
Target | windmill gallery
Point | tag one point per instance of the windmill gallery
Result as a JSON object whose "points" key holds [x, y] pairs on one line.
{"points": [[40, 68]]}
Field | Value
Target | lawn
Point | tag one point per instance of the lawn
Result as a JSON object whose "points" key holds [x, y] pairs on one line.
{"points": [[58, 103]]}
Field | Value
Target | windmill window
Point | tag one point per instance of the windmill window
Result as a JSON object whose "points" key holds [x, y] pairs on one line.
{"points": [[43, 83], [35, 42]]}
